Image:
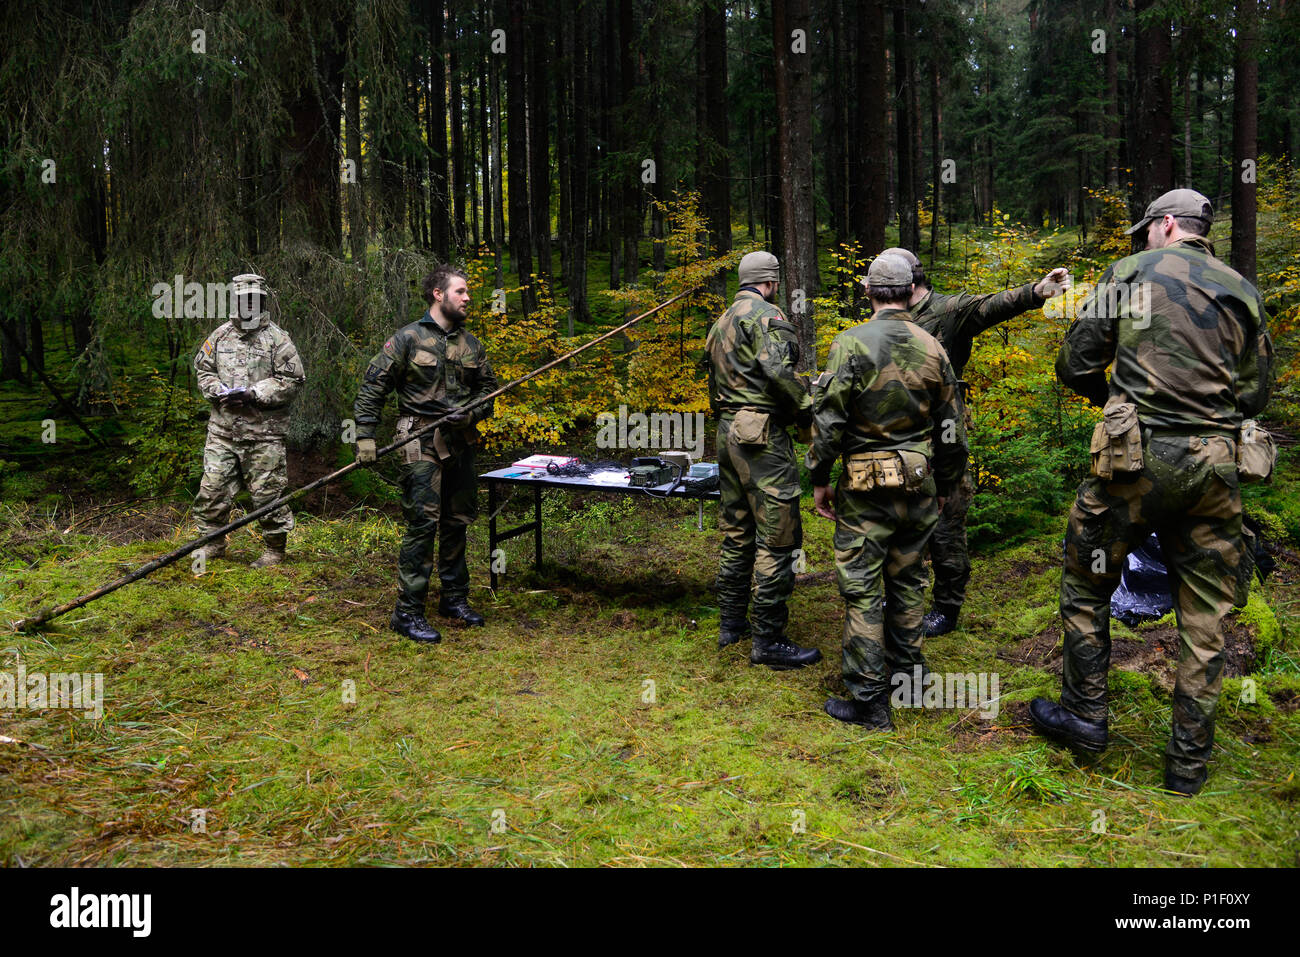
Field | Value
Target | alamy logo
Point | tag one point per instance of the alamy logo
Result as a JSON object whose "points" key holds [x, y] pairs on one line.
{"points": [[103, 910], [933, 689], [193, 300], [657, 430], [56, 689]]}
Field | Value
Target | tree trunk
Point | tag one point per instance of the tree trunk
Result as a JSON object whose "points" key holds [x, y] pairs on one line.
{"points": [[909, 230], [869, 184], [439, 215], [521, 244], [356, 197], [1153, 171], [579, 175], [539, 147], [310, 153], [794, 107], [630, 177], [1111, 128], [1245, 115], [459, 187], [498, 194], [713, 156], [935, 160]]}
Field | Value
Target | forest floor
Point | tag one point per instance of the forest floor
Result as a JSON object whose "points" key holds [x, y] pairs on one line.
{"points": [[271, 718]]}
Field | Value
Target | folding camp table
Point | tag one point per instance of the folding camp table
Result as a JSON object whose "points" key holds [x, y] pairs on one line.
{"points": [[541, 480]]}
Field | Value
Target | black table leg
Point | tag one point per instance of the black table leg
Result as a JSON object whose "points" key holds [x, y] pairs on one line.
{"points": [[537, 532], [492, 533]]}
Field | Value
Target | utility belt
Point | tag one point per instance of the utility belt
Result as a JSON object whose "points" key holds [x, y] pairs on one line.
{"points": [[413, 452], [1118, 441], [903, 469]]}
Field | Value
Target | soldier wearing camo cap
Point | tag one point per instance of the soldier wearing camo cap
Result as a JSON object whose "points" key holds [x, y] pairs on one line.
{"points": [[752, 352], [955, 320], [1187, 341], [250, 371], [888, 406]]}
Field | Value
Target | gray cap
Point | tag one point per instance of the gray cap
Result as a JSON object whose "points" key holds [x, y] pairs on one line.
{"points": [[889, 269], [759, 267], [1176, 202], [905, 253]]}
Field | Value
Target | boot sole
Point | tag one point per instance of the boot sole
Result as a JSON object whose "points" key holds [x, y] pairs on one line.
{"points": [[421, 641], [783, 667]]}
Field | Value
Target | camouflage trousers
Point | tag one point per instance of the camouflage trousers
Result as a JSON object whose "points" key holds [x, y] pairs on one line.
{"points": [[758, 516], [948, 551], [259, 465], [439, 501], [1188, 495], [880, 541]]}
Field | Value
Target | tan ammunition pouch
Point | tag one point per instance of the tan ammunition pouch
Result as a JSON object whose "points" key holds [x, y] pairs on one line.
{"points": [[896, 469], [750, 427], [413, 452], [1256, 452], [1117, 441]]}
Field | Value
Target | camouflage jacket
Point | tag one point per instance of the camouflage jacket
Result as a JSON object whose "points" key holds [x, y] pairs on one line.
{"points": [[957, 319], [752, 351], [263, 360], [888, 385], [1187, 334], [433, 372]]}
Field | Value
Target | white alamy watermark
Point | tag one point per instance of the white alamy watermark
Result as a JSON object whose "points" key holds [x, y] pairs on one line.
{"points": [[652, 430], [56, 689], [1105, 300], [951, 690], [75, 909], [194, 300]]}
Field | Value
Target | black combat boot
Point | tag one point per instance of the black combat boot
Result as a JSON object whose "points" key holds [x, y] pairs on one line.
{"points": [[781, 655], [458, 609], [732, 630], [940, 621], [1053, 721], [1184, 786], [415, 627], [872, 713]]}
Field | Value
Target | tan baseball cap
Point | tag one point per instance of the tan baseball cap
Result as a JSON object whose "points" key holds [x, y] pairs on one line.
{"points": [[1176, 202], [905, 253], [889, 269]]}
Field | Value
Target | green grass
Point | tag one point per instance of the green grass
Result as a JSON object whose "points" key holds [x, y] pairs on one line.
{"points": [[226, 693]]}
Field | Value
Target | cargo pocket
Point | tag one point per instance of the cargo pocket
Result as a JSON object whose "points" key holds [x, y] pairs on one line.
{"points": [[783, 528], [750, 427]]}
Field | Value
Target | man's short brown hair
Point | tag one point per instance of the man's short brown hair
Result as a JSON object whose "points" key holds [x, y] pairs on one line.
{"points": [[1193, 224], [440, 279], [890, 295]]}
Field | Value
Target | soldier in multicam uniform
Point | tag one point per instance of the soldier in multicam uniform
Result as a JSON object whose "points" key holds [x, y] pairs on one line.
{"points": [[1192, 357], [955, 320], [888, 404], [436, 366], [250, 371], [753, 390]]}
